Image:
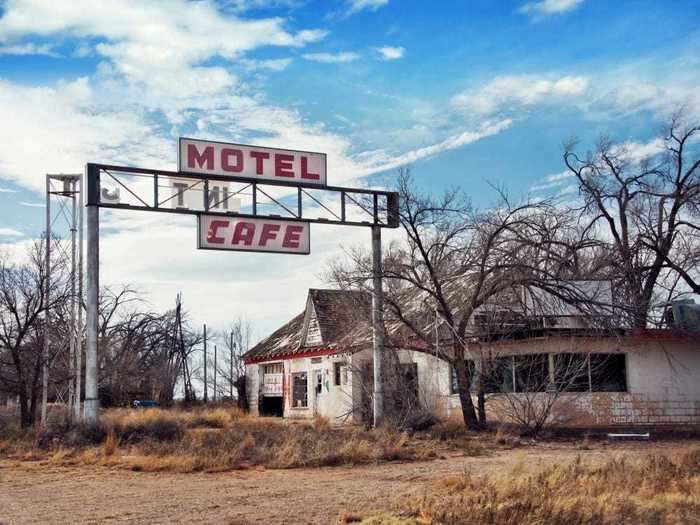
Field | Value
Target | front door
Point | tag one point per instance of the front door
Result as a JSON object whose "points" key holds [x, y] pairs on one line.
{"points": [[318, 389]]}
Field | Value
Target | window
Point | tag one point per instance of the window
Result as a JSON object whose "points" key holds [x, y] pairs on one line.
{"points": [[275, 368], [531, 372], [299, 390], [571, 372], [498, 375], [471, 371], [608, 373]]}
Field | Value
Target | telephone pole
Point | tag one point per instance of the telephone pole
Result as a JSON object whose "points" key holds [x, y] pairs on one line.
{"points": [[206, 394], [215, 373], [230, 377]]}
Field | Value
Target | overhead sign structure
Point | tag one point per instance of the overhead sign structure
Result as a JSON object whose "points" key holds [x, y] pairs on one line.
{"points": [[253, 235], [233, 190], [252, 162]]}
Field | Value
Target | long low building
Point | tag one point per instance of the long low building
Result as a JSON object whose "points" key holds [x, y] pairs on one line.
{"points": [[320, 364]]}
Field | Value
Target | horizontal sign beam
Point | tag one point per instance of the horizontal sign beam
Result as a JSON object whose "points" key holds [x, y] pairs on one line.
{"points": [[122, 187], [206, 157], [253, 235]]}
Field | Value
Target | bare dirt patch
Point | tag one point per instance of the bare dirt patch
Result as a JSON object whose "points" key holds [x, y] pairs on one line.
{"points": [[36, 492]]}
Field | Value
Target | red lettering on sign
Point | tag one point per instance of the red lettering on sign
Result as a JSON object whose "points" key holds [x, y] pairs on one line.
{"points": [[259, 157], [305, 173], [243, 233], [283, 165], [194, 156], [292, 236], [226, 153], [269, 232], [213, 227]]}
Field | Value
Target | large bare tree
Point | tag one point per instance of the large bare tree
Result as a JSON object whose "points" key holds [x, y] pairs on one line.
{"points": [[456, 259], [644, 208]]}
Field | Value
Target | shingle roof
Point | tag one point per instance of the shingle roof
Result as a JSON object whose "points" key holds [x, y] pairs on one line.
{"points": [[343, 318]]}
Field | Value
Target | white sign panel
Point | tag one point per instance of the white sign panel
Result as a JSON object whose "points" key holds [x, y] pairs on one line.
{"points": [[189, 194], [252, 162], [253, 235]]}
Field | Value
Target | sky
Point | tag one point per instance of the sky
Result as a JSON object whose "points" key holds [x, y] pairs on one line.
{"points": [[470, 93]]}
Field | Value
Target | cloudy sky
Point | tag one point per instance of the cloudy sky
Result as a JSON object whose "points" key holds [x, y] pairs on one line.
{"points": [[468, 93]]}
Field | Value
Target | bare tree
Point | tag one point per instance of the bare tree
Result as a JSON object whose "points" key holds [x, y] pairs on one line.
{"points": [[455, 260], [643, 211], [236, 339], [22, 307]]}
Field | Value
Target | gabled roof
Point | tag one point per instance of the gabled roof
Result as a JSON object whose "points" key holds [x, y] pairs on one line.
{"points": [[343, 318]]}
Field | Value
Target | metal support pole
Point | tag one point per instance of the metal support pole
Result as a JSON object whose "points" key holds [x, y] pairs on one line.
{"points": [[206, 394], [73, 331], [93, 287], [377, 324], [79, 324], [214, 373], [47, 303]]}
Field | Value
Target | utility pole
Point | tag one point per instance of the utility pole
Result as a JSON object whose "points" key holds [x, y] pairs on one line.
{"points": [[214, 373], [377, 324], [230, 377], [73, 331], [206, 395], [47, 313]]}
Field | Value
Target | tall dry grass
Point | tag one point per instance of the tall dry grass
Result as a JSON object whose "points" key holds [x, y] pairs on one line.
{"points": [[658, 490], [211, 440]]}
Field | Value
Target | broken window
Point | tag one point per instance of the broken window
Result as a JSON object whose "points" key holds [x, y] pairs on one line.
{"points": [[571, 373], [530, 372], [471, 371], [300, 390], [608, 373]]}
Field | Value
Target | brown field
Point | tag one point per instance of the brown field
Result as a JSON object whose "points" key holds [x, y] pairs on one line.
{"points": [[381, 477]]}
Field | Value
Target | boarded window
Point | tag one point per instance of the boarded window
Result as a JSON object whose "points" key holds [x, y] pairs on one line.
{"points": [[300, 390], [608, 373]]}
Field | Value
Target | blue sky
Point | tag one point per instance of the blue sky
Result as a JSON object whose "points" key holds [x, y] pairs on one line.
{"points": [[468, 92]]}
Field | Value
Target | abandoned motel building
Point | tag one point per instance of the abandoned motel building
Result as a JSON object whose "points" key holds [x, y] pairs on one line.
{"points": [[320, 364]]}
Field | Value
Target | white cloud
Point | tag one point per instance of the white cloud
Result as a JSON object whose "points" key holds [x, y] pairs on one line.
{"points": [[390, 53], [61, 128], [32, 204], [332, 58], [355, 6], [275, 64], [7, 190], [10, 232], [549, 7], [173, 37], [29, 49], [513, 91]]}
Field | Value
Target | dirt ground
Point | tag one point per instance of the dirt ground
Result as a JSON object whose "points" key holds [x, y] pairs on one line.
{"points": [[37, 493]]}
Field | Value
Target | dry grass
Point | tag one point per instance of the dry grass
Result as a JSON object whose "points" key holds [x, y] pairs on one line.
{"points": [[658, 490], [210, 440]]}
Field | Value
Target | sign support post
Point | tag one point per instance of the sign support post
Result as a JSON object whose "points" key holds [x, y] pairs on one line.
{"points": [[377, 325], [92, 319]]}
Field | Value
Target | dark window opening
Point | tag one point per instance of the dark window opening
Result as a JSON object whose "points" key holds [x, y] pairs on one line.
{"points": [[340, 374], [571, 372], [471, 373], [299, 390], [531, 372], [608, 373]]}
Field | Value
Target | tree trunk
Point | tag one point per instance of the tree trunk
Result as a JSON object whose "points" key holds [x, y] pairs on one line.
{"points": [[465, 397], [26, 419], [242, 400]]}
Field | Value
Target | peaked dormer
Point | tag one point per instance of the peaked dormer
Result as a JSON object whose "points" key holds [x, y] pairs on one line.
{"points": [[311, 332]]}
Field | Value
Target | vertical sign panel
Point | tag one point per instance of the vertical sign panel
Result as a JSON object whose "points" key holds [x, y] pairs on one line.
{"points": [[253, 235], [251, 162]]}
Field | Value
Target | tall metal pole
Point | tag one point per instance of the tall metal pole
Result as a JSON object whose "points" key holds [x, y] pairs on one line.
{"points": [[206, 394], [47, 314], [92, 322], [79, 324], [377, 324], [230, 377], [73, 331], [214, 373]]}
